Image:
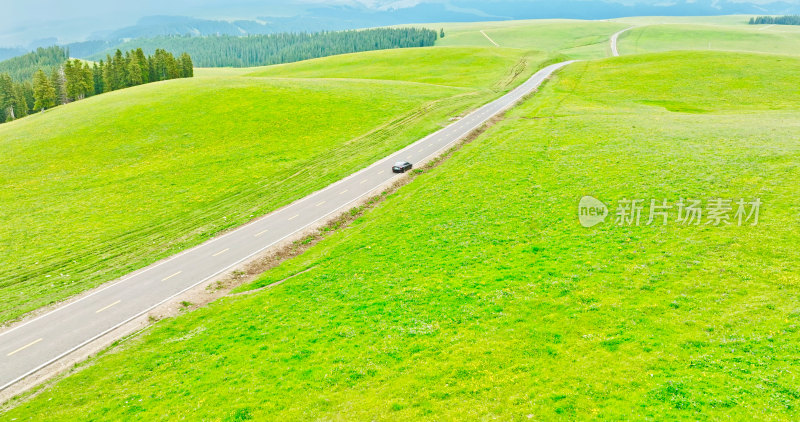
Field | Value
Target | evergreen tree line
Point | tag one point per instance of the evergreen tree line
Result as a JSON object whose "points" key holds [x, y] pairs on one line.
{"points": [[775, 20], [75, 80], [23, 67], [262, 50]]}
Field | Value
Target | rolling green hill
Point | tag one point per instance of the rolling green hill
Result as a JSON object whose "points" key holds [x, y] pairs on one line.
{"points": [[724, 20], [745, 38], [472, 67], [473, 292], [578, 39], [101, 187], [574, 39]]}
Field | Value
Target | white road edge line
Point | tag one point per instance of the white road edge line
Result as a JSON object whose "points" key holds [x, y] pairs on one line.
{"points": [[24, 347]]}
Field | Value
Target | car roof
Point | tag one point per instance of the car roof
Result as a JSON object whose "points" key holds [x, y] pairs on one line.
{"points": [[401, 163]]}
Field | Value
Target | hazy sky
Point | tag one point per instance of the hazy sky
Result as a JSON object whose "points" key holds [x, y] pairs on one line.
{"points": [[71, 20]]}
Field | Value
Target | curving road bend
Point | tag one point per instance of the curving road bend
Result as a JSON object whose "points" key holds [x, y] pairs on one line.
{"points": [[614, 39], [41, 341]]}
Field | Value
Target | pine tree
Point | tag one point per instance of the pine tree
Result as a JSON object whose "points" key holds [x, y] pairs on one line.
{"points": [[160, 65], [145, 68], [151, 66], [44, 93], [108, 75], [59, 83], [27, 92], [187, 67], [73, 85], [441, 33], [118, 71], [88, 80], [6, 99], [20, 103], [173, 71], [97, 76], [134, 70]]}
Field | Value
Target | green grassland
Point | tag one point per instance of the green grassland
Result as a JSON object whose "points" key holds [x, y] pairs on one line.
{"points": [[779, 39], [473, 293], [734, 20], [572, 38], [450, 66], [98, 188], [578, 39]]}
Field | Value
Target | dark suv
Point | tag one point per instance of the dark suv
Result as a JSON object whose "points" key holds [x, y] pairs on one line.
{"points": [[402, 167]]}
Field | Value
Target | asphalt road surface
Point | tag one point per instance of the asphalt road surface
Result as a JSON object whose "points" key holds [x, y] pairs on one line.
{"points": [[43, 340], [614, 39]]}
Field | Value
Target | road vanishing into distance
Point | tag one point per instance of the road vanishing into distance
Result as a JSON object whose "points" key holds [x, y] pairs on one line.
{"points": [[41, 341], [614, 39]]}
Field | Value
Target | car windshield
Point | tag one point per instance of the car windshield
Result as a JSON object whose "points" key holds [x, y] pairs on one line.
{"points": [[400, 164]]}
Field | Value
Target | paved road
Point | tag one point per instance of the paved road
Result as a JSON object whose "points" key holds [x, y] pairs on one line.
{"points": [[614, 39], [41, 341], [489, 38]]}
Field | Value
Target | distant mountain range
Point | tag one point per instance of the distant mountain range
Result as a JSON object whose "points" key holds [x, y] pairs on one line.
{"points": [[312, 20], [353, 17]]}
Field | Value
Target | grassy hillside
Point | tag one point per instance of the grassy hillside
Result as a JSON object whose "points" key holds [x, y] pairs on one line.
{"points": [[575, 39], [747, 38], [733, 20], [450, 66], [98, 188], [473, 293], [589, 39]]}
